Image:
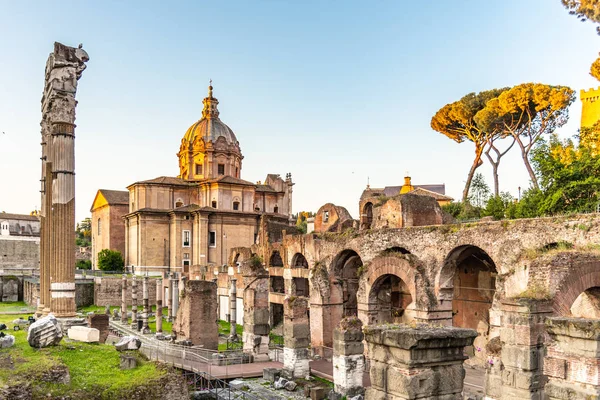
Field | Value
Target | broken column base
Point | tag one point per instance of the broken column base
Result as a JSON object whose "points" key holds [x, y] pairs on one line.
{"points": [[295, 363], [348, 374], [257, 344]]}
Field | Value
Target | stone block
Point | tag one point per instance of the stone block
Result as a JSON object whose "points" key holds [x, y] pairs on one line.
{"points": [[84, 334], [524, 358], [7, 341], [128, 362], [317, 393], [128, 343], [555, 367], [271, 374]]}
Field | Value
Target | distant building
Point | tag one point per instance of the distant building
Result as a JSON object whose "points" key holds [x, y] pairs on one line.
{"points": [[19, 241], [331, 218], [194, 219], [373, 197], [590, 107], [108, 228]]}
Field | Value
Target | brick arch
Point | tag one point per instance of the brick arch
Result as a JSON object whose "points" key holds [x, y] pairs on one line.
{"points": [[387, 265], [581, 278]]}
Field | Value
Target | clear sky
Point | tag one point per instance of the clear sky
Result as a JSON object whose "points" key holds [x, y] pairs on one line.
{"points": [[331, 91]]}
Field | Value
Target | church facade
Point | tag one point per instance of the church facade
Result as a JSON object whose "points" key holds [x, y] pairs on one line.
{"points": [[194, 219]]}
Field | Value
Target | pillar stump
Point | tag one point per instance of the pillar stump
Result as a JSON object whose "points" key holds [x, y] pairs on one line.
{"points": [[256, 311], [134, 315], [348, 357], [572, 362], [146, 309], [196, 318], [517, 372], [296, 338], [124, 300], [159, 305], [417, 363]]}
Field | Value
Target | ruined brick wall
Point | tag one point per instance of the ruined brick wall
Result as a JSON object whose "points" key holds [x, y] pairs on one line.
{"points": [[332, 218], [84, 294], [107, 291], [19, 252]]}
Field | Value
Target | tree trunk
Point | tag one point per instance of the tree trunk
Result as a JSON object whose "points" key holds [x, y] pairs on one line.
{"points": [[525, 156], [476, 164], [530, 170]]}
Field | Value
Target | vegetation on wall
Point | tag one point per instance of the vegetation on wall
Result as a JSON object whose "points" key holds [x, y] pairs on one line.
{"points": [[301, 220]]}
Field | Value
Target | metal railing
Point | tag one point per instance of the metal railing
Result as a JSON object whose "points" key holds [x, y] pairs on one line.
{"points": [[204, 382]]}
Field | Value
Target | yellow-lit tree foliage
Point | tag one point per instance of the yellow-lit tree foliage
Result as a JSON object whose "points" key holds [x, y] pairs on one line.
{"points": [[527, 112], [456, 121], [586, 10]]}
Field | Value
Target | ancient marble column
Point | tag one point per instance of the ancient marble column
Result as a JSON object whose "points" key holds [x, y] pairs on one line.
{"points": [[145, 328], [169, 295], [572, 363], [517, 373], [124, 300], [232, 309], [175, 294], [63, 69], [296, 338], [159, 306], [134, 315], [348, 357], [423, 362]]}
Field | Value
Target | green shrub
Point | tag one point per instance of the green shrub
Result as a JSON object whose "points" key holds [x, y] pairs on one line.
{"points": [[83, 264], [110, 260]]}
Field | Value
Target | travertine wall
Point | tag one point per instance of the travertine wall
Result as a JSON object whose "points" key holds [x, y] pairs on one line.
{"points": [[107, 291], [19, 252], [196, 318]]}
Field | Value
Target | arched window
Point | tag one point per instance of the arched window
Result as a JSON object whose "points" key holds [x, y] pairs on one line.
{"points": [[179, 203], [276, 210]]}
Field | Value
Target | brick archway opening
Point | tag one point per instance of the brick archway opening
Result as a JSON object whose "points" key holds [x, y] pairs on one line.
{"points": [[582, 282], [389, 298], [367, 216], [300, 286], [346, 266]]}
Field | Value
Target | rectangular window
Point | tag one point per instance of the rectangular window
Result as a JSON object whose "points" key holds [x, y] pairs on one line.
{"points": [[214, 204], [212, 239], [221, 168], [99, 226], [326, 216], [236, 205], [186, 238], [198, 169]]}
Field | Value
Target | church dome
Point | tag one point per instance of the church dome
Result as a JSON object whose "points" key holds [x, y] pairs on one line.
{"points": [[210, 127]]}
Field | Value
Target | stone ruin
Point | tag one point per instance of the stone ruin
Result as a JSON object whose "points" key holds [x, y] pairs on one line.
{"points": [[197, 317]]}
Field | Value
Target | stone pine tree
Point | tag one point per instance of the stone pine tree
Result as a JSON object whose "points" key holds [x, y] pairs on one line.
{"points": [[586, 10], [527, 112], [457, 122]]}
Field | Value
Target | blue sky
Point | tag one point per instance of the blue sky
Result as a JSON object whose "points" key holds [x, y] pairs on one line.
{"points": [[333, 92]]}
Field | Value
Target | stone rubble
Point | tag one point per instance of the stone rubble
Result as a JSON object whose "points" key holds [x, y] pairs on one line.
{"points": [[128, 343], [6, 341], [45, 332]]}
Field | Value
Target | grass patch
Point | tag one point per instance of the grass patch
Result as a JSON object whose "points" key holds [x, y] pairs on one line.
{"points": [[225, 327], [94, 368], [15, 306]]}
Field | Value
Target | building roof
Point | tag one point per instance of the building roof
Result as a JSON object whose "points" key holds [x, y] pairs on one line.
{"points": [[165, 180], [265, 188], [20, 217], [390, 191], [424, 192], [188, 208], [228, 179], [115, 196]]}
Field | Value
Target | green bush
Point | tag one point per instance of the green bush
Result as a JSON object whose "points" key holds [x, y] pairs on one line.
{"points": [[83, 264], [110, 260]]}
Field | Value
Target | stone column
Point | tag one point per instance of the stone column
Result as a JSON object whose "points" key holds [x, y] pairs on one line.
{"points": [[416, 363], [296, 338], [572, 362], [169, 300], [159, 306], [45, 236], [63, 69], [517, 372], [134, 315], [256, 312], [232, 309], [124, 300], [145, 328], [175, 294], [197, 315], [348, 357]]}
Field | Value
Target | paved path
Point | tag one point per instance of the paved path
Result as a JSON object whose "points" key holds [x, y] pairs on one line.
{"points": [[324, 369]]}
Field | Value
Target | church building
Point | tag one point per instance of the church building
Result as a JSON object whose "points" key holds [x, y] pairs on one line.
{"points": [[194, 219]]}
